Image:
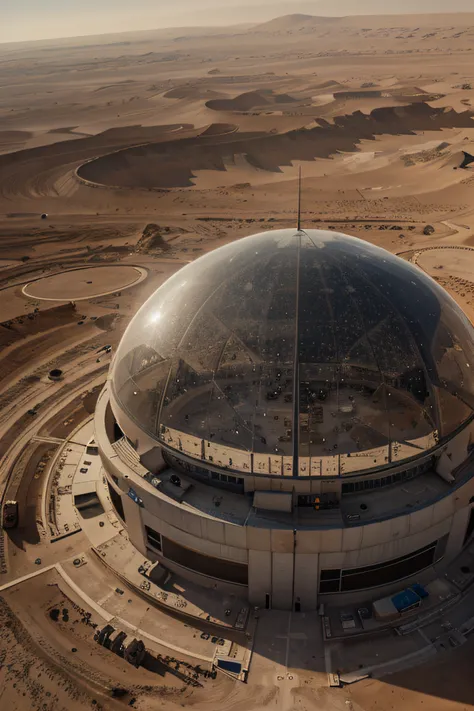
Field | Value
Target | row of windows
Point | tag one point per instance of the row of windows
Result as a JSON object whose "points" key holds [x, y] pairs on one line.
{"points": [[206, 565], [226, 478], [337, 580], [389, 480], [218, 568], [154, 538], [347, 488], [236, 483]]}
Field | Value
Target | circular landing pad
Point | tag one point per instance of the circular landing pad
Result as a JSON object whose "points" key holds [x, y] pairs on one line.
{"points": [[453, 263], [84, 283]]}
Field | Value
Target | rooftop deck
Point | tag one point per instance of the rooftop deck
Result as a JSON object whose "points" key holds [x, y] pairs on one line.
{"points": [[375, 505], [355, 509]]}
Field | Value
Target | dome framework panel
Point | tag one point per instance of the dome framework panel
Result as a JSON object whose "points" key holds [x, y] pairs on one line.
{"points": [[311, 351]]}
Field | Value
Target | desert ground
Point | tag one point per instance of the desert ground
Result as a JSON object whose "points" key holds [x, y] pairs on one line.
{"points": [[124, 157]]}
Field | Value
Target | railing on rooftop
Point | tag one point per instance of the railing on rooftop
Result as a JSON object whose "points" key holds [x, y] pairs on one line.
{"points": [[129, 456]]}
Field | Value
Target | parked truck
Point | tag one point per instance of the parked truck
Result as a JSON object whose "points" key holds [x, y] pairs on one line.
{"points": [[10, 514]]}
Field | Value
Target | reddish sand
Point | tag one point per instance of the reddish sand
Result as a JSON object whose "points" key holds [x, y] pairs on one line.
{"points": [[199, 134]]}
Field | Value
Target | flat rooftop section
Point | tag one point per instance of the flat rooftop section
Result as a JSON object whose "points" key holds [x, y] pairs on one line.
{"points": [[403, 498], [344, 621], [396, 500], [381, 504], [238, 508], [132, 612], [212, 501], [173, 593]]}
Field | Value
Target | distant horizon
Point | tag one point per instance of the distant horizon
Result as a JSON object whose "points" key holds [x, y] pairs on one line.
{"points": [[54, 14]]}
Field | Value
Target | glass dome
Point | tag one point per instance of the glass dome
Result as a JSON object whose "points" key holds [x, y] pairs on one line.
{"points": [[305, 353]]}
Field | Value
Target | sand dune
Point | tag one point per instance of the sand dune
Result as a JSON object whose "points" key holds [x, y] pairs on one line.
{"points": [[7, 136], [249, 100], [401, 94], [329, 84], [298, 21], [192, 92], [173, 163], [358, 94], [243, 102], [11, 140], [380, 160], [219, 129]]}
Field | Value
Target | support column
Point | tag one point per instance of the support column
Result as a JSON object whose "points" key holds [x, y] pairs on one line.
{"points": [[458, 531], [282, 580], [260, 577], [306, 581], [134, 523]]}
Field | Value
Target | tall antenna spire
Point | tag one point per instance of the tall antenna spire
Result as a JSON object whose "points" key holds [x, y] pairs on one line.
{"points": [[299, 199]]}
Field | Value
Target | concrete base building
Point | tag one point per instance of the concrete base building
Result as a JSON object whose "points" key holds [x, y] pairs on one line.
{"points": [[291, 418]]}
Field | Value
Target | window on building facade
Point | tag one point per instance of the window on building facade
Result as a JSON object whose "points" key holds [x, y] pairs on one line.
{"points": [[350, 579]]}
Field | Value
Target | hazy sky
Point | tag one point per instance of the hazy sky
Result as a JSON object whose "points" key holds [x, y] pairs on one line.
{"points": [[45, 19]]}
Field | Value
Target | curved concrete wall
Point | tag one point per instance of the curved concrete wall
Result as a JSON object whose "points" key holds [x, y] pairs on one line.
{"points": [[282, 562]]}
